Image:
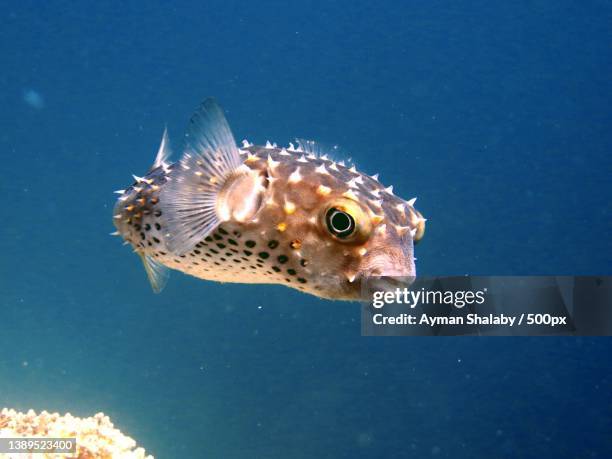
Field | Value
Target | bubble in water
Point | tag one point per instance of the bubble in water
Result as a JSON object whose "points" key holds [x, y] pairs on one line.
{"points": [[33, 99], [364, 439]]}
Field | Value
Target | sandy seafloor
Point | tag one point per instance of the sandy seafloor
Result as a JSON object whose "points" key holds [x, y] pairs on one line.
{"points": [[496, 116]]}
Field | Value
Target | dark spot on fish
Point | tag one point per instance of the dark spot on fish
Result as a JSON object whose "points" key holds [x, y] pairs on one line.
{"points": [[182, 256], [157, 226], [264, 255], [195, 263], [250, 244], [259, 265], [223, 259], [301, 280], [158, 213], [234, 250], [222, 231], [273, 244], [142, 236], [197, 252], [282, 259], [157, 241], [232, 242], [292, 271], [217, 263], [236, 233], [235, 260], [214, 251], [248, 253], [245, 258], [208, 239], [276, 268], [252, 267], [217, 237], [221, 246], [303, 262], [149, 243], [177, 261], [162, 253], [287, 279]]}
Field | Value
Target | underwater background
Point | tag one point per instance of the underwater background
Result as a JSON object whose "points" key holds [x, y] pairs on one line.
{"points": [[496, 115]]}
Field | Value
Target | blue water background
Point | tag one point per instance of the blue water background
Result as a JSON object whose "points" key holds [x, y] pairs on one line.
{"points": [[496, 115]]}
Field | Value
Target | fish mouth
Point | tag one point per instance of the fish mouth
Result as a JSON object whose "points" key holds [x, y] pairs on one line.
{"points": [[388, 263], [372, 284], [386, 270]]}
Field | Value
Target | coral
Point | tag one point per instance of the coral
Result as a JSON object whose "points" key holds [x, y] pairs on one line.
{"points": [[96, 437]]}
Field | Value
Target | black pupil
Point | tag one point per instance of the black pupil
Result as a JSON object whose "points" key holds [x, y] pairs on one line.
{"points": [[340, 223]]}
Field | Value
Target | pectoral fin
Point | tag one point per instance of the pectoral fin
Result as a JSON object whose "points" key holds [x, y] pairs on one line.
{"points": [[189, 199]]}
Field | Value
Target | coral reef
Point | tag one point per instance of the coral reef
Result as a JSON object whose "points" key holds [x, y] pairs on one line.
{"points": [[96, 437]]}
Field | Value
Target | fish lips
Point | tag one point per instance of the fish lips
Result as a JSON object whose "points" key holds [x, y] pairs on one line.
{"points": [[387, 269]]}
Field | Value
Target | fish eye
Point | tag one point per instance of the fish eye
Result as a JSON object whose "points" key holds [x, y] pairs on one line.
{"points": [[340, 223], [347, 221]]}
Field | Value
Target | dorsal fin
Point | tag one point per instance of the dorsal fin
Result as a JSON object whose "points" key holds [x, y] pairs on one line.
{"points": [[190, 196], [164, 152], [157, 273]]}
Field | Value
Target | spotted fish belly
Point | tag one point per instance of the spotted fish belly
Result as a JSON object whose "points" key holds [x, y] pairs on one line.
{"points": [[237, 254]]}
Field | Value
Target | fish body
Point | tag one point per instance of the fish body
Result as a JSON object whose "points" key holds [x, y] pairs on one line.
{"points": [[264, 214]]}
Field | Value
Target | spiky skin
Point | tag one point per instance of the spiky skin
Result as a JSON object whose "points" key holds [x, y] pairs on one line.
{"points": [[286, 241]]}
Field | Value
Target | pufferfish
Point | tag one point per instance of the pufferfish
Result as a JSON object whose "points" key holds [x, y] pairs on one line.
{"points": [[264, 214]]}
